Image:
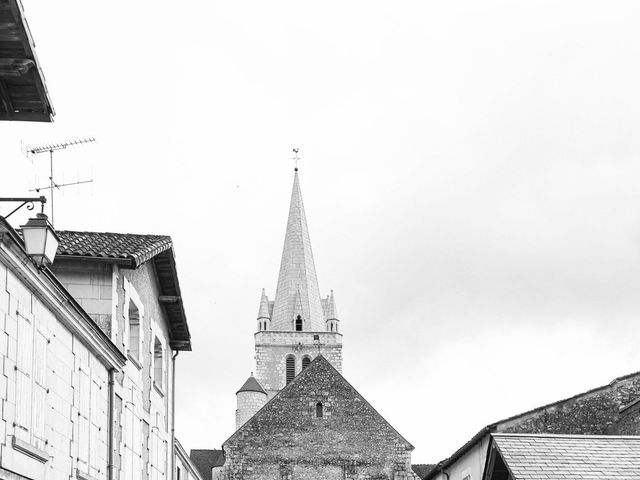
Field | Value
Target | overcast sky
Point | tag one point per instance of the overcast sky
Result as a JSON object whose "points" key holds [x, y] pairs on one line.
{"points": [[470, 175]]}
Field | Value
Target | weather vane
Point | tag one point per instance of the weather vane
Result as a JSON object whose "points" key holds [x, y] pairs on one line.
{"points": [[296, 158]]}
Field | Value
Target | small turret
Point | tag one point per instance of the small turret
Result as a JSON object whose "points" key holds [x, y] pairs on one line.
{"points": [[332, 314], [264, 319], [250, 398]]}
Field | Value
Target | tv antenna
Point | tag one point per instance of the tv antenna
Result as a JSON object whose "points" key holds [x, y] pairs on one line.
{"points": [[52, 147]]}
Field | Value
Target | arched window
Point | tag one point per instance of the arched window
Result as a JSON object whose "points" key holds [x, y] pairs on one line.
{"points": [[332, 327], [265, 326], [305, 362], [291, 368], [319, 410], [299, 324]]}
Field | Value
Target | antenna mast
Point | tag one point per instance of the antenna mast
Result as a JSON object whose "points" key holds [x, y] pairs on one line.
{"points": [[35, 150]]}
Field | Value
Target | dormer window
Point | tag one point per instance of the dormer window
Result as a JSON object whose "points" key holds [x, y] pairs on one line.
{"points": [[299, 324]]}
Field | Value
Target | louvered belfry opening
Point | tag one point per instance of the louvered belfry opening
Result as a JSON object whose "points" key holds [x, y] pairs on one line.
{"points": [[299, 324], [291, 368], [305, 362]]}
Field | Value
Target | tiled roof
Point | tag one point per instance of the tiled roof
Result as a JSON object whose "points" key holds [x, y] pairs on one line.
{"points": [[125, 247], [541, 457], [131, 251], [205, 460], [447, 462], [421, 469], [251, 385]]}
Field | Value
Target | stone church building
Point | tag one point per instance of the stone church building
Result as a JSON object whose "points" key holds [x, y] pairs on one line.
{"points": [[299, 418]]}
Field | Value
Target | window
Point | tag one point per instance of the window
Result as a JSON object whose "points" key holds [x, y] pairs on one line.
{"points": [[265, 326], [332, 327], [158, 363], [31, 374], [291, 368], [319, 410], [299, 324], [134, 331], [305, 362]]}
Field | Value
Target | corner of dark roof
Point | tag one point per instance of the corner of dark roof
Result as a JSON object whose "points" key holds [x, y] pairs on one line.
{"points": [[251, 385]]}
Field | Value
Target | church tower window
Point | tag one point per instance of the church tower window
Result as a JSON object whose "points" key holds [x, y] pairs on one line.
{"points": [[305, 362], [319, 410], [299, 324], [291, 368]]}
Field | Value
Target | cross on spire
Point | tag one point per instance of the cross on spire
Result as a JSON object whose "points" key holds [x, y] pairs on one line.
{"points": [[296, 158]]}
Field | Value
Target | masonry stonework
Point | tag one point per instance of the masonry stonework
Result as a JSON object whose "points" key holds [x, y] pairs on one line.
{"points": [[287, 439], [596, 412], [248, 404], [273, 348]]}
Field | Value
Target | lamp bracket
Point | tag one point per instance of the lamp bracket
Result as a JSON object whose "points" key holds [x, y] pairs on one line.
{"points": [[28, 201]]}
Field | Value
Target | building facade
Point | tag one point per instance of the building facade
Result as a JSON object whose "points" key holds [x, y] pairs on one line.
{"points": [[88, 358], [56, 386], [128, 285]]}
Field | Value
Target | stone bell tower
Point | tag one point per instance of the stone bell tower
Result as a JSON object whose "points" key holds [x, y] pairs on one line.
{"points": [[299, 324]]}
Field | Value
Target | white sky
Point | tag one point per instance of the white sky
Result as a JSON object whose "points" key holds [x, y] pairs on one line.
{"points": [[470, 175]]}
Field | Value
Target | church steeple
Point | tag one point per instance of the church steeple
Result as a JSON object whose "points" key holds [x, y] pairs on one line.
{"points": [[297, 293]]}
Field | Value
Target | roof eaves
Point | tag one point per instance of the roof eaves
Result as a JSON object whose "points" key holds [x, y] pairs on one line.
{"points": [[447, 462], [183, 344]]}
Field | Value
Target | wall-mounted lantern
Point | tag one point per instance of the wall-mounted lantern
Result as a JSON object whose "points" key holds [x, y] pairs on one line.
{"points": [[40, 240]]}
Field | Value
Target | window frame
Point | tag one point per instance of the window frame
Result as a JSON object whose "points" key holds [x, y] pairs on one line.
{"points": [[131, 298]]}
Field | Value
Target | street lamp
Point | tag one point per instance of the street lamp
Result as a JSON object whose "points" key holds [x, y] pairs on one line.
{"points": [[40, 240]]}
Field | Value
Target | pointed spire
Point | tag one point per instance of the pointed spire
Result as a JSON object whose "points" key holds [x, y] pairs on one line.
{"points": [[297, 281], [263, 311], [332, 311]]}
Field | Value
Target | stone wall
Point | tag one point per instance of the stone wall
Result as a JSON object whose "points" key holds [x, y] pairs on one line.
{"points": [[248, 404], [595, 412], [287, 439], [272, 349], [629, 420], [53, 391], [146, 416], [91, 286]]}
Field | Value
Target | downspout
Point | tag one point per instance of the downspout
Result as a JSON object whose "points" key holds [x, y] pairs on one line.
{"points": [[110, 429], [173, 412]]}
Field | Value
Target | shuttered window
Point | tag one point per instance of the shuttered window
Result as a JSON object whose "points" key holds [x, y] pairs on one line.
{"points": [[24, 365], [31, 376], [305, 362], [158, 363], [134, 331], [291, 368]]}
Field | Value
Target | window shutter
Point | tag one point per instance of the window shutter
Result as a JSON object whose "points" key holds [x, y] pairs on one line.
{"points": [[39, 389], [291, 368], [94, 425], [84, 411], [24, 365]]}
